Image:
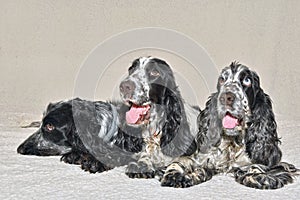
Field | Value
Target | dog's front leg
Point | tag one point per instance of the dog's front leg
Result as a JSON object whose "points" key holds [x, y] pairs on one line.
{"points": [[142, 168], [186, 172]]}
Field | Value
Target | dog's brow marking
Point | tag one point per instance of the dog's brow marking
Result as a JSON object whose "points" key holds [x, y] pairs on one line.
{"points": [[144, 61], [142, 71], [229, 75], [233, 77], [237, 74]]}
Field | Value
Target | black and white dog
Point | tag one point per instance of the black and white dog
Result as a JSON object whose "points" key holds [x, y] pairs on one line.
{"points": [[237, 134], [147, 130], [156, 106]]}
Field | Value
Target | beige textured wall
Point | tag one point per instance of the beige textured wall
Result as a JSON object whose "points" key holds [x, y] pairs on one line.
{"points": [[43, 43]]}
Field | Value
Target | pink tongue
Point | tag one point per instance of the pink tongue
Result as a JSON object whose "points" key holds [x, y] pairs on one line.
{"points": [[229, 122], [135, 112]]}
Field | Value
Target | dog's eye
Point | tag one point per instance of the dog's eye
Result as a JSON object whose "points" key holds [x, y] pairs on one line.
{"points": [[221, 80], [49, 127], [154, 73], [247, 82], [131, 69]]}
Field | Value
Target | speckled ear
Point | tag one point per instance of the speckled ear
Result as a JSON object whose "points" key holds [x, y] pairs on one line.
{"points": [[209, 125], [261, 137], [176, 139]]}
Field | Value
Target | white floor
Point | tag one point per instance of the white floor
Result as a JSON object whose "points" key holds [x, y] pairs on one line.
{"points": [[32, 177]]}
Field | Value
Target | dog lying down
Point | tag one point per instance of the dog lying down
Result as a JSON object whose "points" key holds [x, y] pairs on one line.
{"points": [[153, 128], [67, 127], [146, 131], [237, 135]]}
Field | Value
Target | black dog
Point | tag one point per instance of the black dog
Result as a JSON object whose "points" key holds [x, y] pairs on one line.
{"points": [[68, 126], [237, 134], [150, 128]]}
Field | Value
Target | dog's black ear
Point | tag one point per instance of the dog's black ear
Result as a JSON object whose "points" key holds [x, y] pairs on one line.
{"points": [[261, 137], [176, 139], [209, 124]]}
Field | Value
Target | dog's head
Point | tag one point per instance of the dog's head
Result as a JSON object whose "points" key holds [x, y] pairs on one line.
{"points": [[148, 82], [51, 138], [237, 87]]}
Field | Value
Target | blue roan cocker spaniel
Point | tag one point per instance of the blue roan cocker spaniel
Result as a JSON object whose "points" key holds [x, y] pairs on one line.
{"points": [[237, 134], [147, 130]]}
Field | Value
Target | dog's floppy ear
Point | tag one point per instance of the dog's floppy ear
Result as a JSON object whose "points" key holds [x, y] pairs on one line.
{"points": [[176, 139], [209, 124], [261, 137]]}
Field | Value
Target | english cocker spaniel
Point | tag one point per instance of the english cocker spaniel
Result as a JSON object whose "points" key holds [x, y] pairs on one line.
{"points": [[68, 125], [150, 127], [157, 108], [237, 134]]}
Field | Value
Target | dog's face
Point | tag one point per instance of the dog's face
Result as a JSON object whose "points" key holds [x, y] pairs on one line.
{"points": [[237, 88], [51, 137], [147, 81]]}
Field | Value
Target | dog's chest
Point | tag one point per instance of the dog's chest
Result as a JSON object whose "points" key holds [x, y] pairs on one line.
{"points": [[230, 154], [153, 143], [152, 134], [153, 149], [152, 153], [152, 138]]}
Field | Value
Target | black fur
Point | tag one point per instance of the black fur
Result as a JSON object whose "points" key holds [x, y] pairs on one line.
{"points": [[96, 135], [169, 117], [249, 150], [75, 132]]}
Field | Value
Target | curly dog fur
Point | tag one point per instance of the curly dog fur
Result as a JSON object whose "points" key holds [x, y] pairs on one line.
{"points": [[237, 134], [102, 135]]}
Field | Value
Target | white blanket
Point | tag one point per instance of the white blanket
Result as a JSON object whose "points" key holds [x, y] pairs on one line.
{"points": [[33, 177]]}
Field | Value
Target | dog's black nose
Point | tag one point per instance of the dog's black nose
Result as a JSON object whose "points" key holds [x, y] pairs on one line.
{"points": [[21, 149], [227, 98], [127, 88]]}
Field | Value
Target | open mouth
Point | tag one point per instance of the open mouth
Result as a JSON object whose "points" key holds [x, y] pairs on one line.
{"points": [[138, 114], [230, 122]]}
